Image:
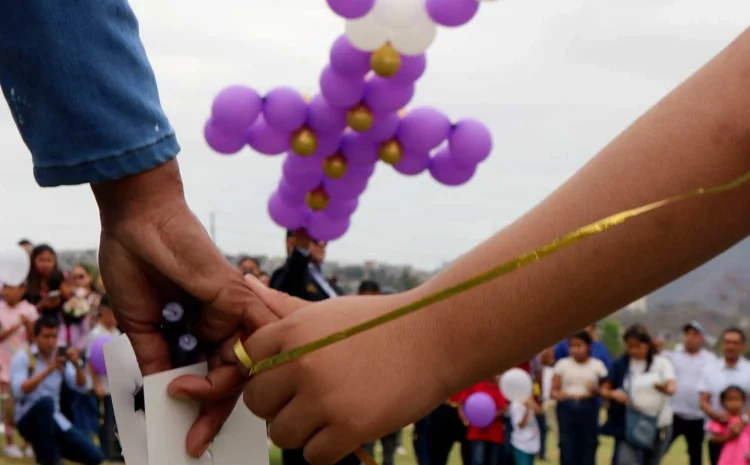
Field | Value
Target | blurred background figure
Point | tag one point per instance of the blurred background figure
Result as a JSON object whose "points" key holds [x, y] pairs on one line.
{"points": [[248, 265], [27, 245]]}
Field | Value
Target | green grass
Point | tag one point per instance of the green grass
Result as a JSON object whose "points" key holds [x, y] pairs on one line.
{"points": [[676, 456]]}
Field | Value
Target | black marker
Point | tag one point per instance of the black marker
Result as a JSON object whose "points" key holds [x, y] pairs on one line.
{"points": [[173, 322], [185, 352]]}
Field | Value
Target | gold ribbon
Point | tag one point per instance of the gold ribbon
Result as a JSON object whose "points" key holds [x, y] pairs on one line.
{"points": [[508, 267]]}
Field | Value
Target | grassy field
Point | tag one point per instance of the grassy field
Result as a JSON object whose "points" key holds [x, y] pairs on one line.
{"points": [[677, 455]]}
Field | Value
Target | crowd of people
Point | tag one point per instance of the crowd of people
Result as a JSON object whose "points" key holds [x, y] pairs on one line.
{"points": [[60, 406]]}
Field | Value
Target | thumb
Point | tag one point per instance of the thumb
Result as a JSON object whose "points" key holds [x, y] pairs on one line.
{"points": [[281, 304]]}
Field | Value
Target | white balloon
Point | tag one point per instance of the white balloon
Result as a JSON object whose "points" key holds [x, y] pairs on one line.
{"points": [[367, 33], [14, 265], [418, 38], [516, 385], [398, 14]]}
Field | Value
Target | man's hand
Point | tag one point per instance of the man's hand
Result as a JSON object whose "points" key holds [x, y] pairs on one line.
{"points": [[154, 251], [58, 363], [335, 399], [73, 355], [620, 396], [100, 392]]}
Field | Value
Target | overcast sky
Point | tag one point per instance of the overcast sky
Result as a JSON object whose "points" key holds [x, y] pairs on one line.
{"points": [[553, 79]]}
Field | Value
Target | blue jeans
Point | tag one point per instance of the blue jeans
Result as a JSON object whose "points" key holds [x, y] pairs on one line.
{"points": [[51, 443], [487, 453], [421, 447], [579, 429], [542, 421], [107, 440], [522, 458], [81, 90]]}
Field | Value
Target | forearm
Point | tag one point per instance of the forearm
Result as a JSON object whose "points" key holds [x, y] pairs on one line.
{"points": [[80, 377], [28, 386], [696, 137]]}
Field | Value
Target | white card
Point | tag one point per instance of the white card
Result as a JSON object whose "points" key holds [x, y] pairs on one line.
{"points": [[124, 378], [242, 440]]}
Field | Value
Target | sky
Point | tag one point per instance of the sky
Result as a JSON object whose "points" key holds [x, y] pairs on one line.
{"points": [[554, 80]]}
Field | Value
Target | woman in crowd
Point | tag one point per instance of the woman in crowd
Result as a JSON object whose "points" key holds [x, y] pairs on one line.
{"points": [[46, 289], [575, 386], [248, 265], [638, 389]]}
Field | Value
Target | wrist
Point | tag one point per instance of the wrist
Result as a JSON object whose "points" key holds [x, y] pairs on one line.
{"points": [[140, 195]]}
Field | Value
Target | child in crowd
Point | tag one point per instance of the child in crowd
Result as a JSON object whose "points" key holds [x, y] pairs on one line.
{"points": [[17, 317], [736, 441], [106, 325], [486, 444], [526, 438]]}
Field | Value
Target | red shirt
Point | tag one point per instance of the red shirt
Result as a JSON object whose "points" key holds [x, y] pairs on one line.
{"points": [[493, 433]]}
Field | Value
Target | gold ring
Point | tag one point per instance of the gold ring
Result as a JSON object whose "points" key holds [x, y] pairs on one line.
{"points": [[243, 356]]}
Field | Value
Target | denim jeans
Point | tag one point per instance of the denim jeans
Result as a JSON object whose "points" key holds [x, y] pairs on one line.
{"points": [[579, 428], [487, 453], [522, 458], [446, 429], [542, 421], [81, 90], [107, 440], [50, 443], [421, 448], [630, 455], [389, 443]]}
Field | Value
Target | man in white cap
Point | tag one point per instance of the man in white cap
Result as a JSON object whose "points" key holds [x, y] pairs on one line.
{"points": [[690, 359]]}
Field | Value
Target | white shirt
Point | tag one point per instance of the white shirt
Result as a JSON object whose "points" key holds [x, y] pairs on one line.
{"points": [[527, 439], [100, 330], [548, 373], [718, 376], [577, 379], [318, 276], [688, 367], [644, 395]]}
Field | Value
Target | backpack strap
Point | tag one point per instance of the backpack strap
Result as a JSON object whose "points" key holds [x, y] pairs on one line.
{"points": [[32, 362]]}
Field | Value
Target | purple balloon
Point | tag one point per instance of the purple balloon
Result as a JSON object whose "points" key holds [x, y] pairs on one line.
{"points": [[351, 9], [324, 118], [235, 109], [338, 209], [328, 144], [349, 61], [284, 109], [384, 127], [470, 142], [96, 354], [340, 91], [350, 186], [385, 96], [267, 140], [480, 410], [412, 68], [286, 215], [446, 170], [452, 13], [291, 194], [423, 129], [302, 173], [413, 163], [358, 150], [220, 141], [324, 228]]}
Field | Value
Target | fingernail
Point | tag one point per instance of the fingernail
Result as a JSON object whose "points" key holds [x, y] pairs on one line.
{"points": [[177, 393], [204, 450]]}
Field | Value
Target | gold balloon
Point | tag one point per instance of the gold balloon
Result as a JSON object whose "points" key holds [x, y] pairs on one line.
{"points": [[359, 118], [317, 199], [386, 61], [306, 97], [402, 113], [391, 152], [335, 166], [304, 143]]}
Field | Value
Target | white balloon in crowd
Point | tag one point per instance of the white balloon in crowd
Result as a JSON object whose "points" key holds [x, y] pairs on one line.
{"points": [[516, 385], [14, 265], [406, 24]]}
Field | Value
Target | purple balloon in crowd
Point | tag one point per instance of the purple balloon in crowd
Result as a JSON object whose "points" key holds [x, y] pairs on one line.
{"points": [[286, 215], [348, 187], [226, 144], [413, 163], [340, 91], [384, 95], [324, 228], [267, 140], [324, 118], [424, 129], [412, 68], [358, 150], [328, 144], [96, 354], [351, 9], [349, 61], [446, 170], [470, 142], [480, 410], [235, 109], [384, 127], [302, 173], [291, 194], [284, 109], [452, 13], [338, 209]]}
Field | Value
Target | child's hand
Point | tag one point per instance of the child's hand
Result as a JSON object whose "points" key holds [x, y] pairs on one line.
{"points": [[100, 392], [331, 401]]}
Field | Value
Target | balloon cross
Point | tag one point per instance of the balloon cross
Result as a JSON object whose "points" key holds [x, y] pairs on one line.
{"points": [[334, 140]]}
